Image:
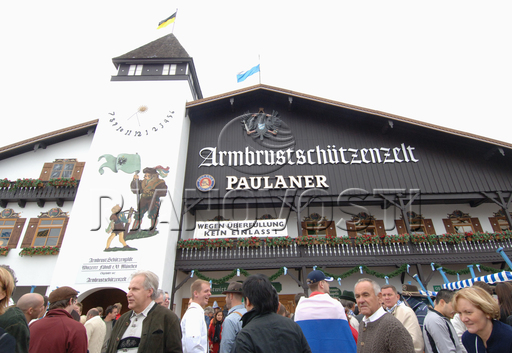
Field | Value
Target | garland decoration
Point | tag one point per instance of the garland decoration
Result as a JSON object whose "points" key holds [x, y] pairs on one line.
{"points": [[466, 271], [346, 274]]}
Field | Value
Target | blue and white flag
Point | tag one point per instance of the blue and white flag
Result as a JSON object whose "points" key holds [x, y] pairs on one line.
{"points": [[325, 325], [244, 74]]}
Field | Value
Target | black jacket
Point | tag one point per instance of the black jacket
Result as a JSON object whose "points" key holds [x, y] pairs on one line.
{"points": [[268, 333]]}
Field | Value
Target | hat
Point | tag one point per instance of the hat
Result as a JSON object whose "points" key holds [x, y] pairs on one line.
{"points": [[317, 276], [234, 287], [149, 170], [348, 295], [411, 291], [62, 293]]}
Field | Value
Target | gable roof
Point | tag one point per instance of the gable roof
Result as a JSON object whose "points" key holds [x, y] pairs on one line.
{"points": [[90, 126], [167, 47], [350, 107], [41, 141]]}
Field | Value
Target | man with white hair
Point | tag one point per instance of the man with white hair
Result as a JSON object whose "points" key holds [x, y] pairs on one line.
{"points": [[147, 327], [96, 330], [162, 298], [379, 331], [15, 320]]}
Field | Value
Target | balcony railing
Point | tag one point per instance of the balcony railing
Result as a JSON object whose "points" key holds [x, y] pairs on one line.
{"points": [[341, 255], [40, 194]]}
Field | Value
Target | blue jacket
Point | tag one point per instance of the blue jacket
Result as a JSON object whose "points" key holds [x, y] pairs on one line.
{"points": [[500, 340]]}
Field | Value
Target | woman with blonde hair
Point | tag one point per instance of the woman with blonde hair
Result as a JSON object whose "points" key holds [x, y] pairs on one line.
{"points": [[480, 313], [6, 288]]}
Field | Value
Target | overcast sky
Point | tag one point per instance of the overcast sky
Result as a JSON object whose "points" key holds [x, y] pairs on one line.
{"points": [[444, 62]]}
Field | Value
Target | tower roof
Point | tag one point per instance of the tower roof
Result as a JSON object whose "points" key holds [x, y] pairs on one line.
{"points": [[167, 47], [162, 51]]}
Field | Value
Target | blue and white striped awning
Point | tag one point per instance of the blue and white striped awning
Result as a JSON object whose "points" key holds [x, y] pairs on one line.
{"points": [[494, 278], [429, 293]]}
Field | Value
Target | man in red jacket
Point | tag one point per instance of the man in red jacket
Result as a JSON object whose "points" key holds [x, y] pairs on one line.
{"points": [[58, 332]]}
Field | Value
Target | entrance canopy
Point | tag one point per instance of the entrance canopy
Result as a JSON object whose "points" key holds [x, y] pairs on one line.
{"points": [[494, 278]]}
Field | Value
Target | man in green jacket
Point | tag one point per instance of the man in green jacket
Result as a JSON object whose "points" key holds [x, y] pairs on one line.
{"points": [[147, 327], [16, 319]]}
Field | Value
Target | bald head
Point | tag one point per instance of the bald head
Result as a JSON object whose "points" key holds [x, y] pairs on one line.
{"points": [[92, 313], [31, 304]]}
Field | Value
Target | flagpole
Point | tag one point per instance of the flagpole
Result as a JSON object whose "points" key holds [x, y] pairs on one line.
{"points": [[172, 32], [259, 63]]}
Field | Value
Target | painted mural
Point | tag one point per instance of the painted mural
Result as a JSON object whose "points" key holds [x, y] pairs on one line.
{"points": [[126, 224]]}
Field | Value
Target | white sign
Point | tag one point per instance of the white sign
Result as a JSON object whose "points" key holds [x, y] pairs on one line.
{"points": [[107, 269], [241, 229]]}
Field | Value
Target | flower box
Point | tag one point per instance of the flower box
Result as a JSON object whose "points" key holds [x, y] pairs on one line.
{"points": [[250, 242], [63, 182], [279, 241], [4, 250], [506, 235], [418, 238], [27, 183], [219, 243], [192, 244], [396, 239], [480, 237], [5, 183], [42, 250], [367, 239]]}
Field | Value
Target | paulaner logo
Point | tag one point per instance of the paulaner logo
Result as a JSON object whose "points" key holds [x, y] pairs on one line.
{"points": [[211, 157]]}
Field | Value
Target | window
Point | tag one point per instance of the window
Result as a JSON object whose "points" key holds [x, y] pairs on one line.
{"points": [[418, 224], [62, 168], [6, 228], [169, 69], [460, 222], [10, 228], [135, 70], [499, 222], [46, 230], [365, 224], [314, 224]]}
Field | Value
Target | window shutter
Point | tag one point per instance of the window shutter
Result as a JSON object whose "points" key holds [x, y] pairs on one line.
{"points": [[304, 230], [46, 172], [476, 225], [495, 224], [78, 170], [16, 233], [63, 230], [400, 226], [429, 226], [379, 228], [448, 225], [351, 229], [331, 229], [30, 233]]}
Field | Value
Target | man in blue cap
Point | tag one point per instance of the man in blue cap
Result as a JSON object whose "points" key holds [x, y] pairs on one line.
{"points": [[323, 318]]}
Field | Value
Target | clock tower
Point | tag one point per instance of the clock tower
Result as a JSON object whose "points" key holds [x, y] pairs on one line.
{"points": [[126, 215]]}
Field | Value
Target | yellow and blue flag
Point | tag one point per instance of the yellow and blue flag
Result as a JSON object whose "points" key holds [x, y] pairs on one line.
{"points": [[167, 21]]}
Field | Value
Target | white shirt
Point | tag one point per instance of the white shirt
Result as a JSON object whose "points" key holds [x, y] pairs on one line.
{"points": [[194, 331], [135, 328], [375, 316]]}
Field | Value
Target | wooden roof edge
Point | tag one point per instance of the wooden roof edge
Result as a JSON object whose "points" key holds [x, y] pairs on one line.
{"points": [[48, 135], [351, 107]]}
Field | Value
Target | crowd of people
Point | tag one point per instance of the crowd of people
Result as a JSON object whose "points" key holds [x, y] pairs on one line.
{"points": [[371, 318]]}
